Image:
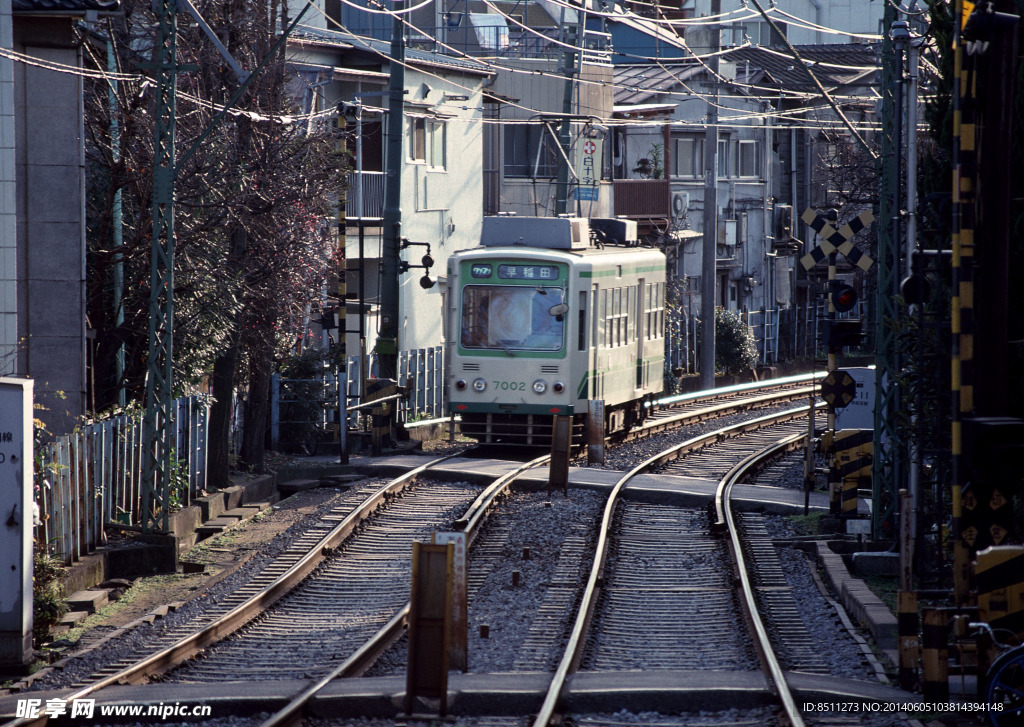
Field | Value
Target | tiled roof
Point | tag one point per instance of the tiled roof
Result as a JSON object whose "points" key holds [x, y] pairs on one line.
{"points": [[644, 83], [64, 6], [383, 49], [835, 65]]}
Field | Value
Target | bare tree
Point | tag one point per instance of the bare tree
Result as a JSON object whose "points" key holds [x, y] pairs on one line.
{"points": [[250, 206]]}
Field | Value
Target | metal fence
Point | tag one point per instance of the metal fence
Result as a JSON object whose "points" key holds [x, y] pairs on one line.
{"points": [[93, 476], [425, 366]]}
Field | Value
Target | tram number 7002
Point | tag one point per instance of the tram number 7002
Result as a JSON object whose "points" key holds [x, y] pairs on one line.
{"points": [[510, 385]]}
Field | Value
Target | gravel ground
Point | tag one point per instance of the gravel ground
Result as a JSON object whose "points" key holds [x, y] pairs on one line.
{"points": [[527, 521], [261, 553]]}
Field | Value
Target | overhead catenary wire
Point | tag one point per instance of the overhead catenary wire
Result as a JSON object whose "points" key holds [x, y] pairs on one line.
{"points": [[736, 115]]}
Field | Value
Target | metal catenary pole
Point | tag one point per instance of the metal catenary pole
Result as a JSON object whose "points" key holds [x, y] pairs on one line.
{"points": [[887, 467], [157, 449]]}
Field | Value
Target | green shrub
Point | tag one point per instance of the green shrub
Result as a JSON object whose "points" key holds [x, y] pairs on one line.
{"points": [[48, 605], [735, 348]]}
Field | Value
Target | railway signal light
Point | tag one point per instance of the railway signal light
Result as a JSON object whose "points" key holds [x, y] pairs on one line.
{"points": [[844, 297], [842, 333]]}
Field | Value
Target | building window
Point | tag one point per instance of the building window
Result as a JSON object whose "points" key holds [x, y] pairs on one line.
{"points": [[749, 153], [724, 165], [529, 151], [689, 157], [427, 140]]}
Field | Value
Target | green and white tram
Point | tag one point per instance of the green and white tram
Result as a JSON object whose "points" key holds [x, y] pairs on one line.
{"points": [[540, 321]]}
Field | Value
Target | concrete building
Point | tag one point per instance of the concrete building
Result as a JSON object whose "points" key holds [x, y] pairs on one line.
{"points": [[441, 199], [42, 203]]}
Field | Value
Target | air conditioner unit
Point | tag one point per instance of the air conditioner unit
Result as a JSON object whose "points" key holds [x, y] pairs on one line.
{"points": [[680, 205], [726, 251]]}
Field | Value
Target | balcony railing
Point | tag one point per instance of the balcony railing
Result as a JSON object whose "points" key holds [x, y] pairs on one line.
{"points": [[642, 198], [369, 188]]}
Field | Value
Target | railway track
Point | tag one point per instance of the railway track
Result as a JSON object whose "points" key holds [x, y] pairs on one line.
{"points": [[273, 645], [660, 594], [687, 409], [369, 637]]}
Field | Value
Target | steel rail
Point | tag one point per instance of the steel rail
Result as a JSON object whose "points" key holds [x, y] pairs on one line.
{"points": [[366, 654], [184, 648], [577, 637], [727, 407], [470, 523], [725, 516]]}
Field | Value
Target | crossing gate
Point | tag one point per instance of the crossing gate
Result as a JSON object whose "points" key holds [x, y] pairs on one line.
{"points": [[851, 452], [834, 240], [999, 576]]}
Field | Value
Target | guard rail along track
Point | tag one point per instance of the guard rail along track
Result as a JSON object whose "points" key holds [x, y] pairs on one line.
{"points": [[671, 411], [615, 596]]}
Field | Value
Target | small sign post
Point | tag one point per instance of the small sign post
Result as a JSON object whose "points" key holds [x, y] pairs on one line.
{"points": [[16, 462], [458, 653], [561, 443], [595, 431], [430, 618]]}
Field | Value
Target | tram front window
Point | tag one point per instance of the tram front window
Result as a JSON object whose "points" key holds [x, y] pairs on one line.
{"points": [[507, 317]]}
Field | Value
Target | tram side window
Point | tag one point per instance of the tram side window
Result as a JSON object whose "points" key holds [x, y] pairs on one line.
{"points": [[582, 342], [648, 310], [631, 327], [660, 303], [617, 316]]}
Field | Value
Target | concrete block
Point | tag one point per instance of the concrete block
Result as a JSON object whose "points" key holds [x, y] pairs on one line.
{"points": [[87, 572], [88, 601], [186, 520], [211, 505], [876, 564], [72, 618], [341, 481], [256, 489], [232, 497], [246, 512], [143, 559]]}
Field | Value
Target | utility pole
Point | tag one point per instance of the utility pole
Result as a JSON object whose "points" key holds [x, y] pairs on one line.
{"points": [[387, 339], [569, 62], [709, 272]]}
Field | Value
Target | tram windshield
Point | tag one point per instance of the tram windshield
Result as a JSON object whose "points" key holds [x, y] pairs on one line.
{"points": [[512, 317]]}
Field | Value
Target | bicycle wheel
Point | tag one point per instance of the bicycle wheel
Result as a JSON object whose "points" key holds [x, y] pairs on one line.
{"points": [[1004, 685]]}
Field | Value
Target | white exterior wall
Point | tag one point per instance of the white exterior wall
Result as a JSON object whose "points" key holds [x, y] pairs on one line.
{"points": [[8, 211], [440, 207], [850, 16]]}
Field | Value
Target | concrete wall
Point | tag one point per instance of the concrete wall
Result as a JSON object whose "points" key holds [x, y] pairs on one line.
{"points": [[50, 170], [8, 242]]}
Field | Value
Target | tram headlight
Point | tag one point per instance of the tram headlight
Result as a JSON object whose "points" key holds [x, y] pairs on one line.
{"points": [[540, 386], [559, 387], [460, 384], [479, 384]]}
